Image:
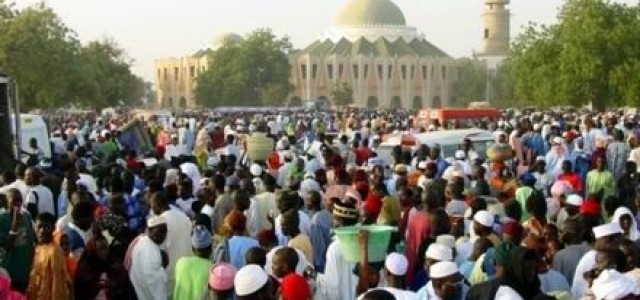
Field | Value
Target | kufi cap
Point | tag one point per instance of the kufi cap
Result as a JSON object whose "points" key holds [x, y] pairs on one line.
{"points": [[422, 165], [250, 279], [156, 221], [439, 252], [221, 276], [513, 229], [344, 212], [256, 170], [612, 285], [446, 240], [575, 200], [536, 126], [400, 168], [443, 269], [200, 237], [558, 140], [485, 218], [607, 230], [397, 264], [294, 287], [460, 154]]}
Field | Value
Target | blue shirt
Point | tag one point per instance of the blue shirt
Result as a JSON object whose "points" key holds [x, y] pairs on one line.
{"points": [[238, 247]]}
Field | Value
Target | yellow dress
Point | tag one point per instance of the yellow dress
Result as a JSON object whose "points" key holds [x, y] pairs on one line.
{"points": [[49, 278]]}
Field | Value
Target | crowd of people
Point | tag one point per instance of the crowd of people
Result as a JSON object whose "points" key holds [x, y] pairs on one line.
{"points": [[198, 218]]}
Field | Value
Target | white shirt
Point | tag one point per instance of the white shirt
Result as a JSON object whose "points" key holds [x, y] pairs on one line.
{"points": [[178, 241], [18, 184], [338, 280], [42, 197], [174, 151], [147, 276], [258, 214], [304, 225]]}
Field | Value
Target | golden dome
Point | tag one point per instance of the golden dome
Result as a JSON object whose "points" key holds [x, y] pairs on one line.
{"points": [[370, 12]]}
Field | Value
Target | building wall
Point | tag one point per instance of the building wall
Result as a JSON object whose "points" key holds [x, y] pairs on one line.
{"points": [[391, 82], [176, 80], [496, 20]]}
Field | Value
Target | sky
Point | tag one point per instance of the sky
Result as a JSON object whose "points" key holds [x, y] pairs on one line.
{"points": [[154, 29]]}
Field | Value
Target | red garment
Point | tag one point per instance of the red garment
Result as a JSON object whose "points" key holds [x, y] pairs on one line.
{"points": [[273, 161], [418, 229], [591, 207], [373, 205], [362, 155], [217, 139], [294, 287], [573, 179]]}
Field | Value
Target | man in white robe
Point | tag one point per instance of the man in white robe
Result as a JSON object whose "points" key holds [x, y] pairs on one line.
{"points": [[147, 275], [608, 236]]}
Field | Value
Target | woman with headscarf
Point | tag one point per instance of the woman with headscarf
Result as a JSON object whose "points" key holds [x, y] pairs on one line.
{"points": [[99, 276], [624, 217]]}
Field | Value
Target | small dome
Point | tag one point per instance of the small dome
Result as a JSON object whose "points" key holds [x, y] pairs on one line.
{"points": [[370, 12], [226, 38]]}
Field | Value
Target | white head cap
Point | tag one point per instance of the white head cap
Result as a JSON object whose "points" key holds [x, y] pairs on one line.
{"points": [[607, 230], [443, 269], [249, 279], [256, 170], [397, 264], [460, 154], [439, 252], [575, 200], [485, 218], [422, 165], [558, 140]]}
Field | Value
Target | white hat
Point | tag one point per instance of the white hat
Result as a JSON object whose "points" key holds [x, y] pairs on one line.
{"points": [[613, 285], [540, 158], [422, 165], [506, 293], [558, 140], [485, 218], [606, 230], [536, 126], [439, 252], [446, 240], [288, 154], [155, 221], [375, 137], [443, 269], [249, 279], [397, 264], [574, 200], [256, 170], [460, 154]]}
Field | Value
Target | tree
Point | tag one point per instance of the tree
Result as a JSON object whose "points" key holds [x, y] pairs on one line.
{"points": [[472, 83], [38, 51], [590, 56], [342, 94], [252, 72]]}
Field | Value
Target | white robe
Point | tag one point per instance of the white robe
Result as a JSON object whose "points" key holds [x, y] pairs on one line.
{"points": [[178, 241], [338, 280], [147, 276], [580, 288]]}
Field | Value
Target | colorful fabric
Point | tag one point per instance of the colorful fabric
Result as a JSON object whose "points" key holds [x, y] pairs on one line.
{"points": [[192, 276], [49, 278]]}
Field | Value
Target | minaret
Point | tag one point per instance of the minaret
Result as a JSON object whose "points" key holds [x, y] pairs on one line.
{"points": [[496, 28]]}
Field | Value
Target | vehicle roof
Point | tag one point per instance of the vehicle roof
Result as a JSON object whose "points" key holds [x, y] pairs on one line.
{"points": [[444, 137]]}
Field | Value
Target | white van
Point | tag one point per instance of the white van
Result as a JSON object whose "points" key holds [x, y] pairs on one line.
{"points": [[32, 126], [449, 141]]}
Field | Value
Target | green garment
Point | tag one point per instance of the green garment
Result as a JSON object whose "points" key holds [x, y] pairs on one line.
{"points": [[17, 260], [522, 195], [107, 150], [192, 278], [597, 180]]}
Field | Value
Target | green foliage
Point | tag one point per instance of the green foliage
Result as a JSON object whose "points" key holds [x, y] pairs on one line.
{"points": [[249, 73], [591, 56], [472, 83], [53, 69], [342, 94]]}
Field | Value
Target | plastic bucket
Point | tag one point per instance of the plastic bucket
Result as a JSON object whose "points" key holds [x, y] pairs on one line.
{"points": [[379, 237]]}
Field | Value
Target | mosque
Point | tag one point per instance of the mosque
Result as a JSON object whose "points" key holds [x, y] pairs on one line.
{"points": [[370, 47]]}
